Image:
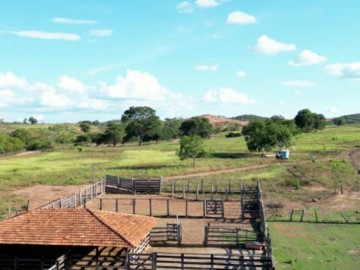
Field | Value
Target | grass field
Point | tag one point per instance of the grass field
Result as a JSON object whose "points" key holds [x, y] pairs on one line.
{"points": [[315, 246], [67, 166]]}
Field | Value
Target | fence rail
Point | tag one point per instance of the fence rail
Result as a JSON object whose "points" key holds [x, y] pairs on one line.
{"points": [[166, 236], [115, 184], [228, 237], [77, 199], [160, 261]]}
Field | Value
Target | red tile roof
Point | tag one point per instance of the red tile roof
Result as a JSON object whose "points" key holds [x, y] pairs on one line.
{"points": [[76, 227]]}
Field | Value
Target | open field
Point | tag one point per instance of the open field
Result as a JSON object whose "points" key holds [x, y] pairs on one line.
{"points": [[315, 246], [309, 165]]}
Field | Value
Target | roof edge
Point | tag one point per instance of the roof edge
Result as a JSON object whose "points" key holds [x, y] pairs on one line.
{"points": [[109, 227]]}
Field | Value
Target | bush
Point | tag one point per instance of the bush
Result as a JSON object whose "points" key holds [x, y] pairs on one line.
{"points": [[233, 134]]}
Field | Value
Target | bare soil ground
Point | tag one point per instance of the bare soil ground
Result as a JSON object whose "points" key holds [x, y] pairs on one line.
{"points": [[41, 194]]}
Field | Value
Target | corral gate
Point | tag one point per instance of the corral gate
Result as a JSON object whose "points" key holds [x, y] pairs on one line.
{"points": [[214, 207]]}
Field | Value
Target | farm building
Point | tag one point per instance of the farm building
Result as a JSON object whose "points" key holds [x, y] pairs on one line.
{"points": [[71, 239]]}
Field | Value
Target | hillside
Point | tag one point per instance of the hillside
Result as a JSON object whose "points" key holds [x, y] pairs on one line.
{"points": [[248, 117], [350, 118], [223, 121]]}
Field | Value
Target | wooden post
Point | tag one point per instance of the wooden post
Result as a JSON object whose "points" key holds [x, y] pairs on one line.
{"points": [[202, 186], [223, 208], [183, 191], [186, 207], [212, 193], [316, 216], [179, 234], [134, 206], [168, 207], [153, 261], [204, 208], [226, 194], [302, 215], [206, 236], [197, 192], [172, 188], [188, 185], [237, 237], [101, 205], [229, 189], [291, 215], [215, 186], [150, 207], [117, 205], [182, 261], [175, 187]]}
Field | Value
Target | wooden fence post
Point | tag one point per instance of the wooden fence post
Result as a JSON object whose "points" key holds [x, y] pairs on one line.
{"points": [[101, 205], [150, 207], [188, 185], [197, 192], [204, 208], [168, 207], [229, 186], [183, 191], [153, 261], [212, 193], [134, 206], [215, 186], [172, 188], [202, 186], [117, 205], [186, 207], [223, 208]]}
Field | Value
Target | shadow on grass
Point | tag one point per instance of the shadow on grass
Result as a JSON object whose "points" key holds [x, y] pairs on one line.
{"points": [[145, 167], [232, 155]]}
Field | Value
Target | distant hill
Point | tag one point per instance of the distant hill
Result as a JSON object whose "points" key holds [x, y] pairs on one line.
{"points": [[223, 121], [350, 118], [248, 117]]}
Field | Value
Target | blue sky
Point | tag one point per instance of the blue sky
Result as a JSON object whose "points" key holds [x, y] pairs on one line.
{"points": [[71, 60]]}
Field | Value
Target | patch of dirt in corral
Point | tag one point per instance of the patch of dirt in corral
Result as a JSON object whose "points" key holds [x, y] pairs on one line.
{"points": [[41, 194]]}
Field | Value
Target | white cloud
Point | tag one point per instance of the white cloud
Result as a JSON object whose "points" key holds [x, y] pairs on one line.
{"points": [[331, 110], [137, 85], [50, 98], [238, 17], [240, 73], [7, 96], [71, 85], [298, 83], [270, 46], [307, 58], [208, 3], [206, 68], [73, 21], [101, 32], [227, 95], [47, 35], [185, 7], [10, 80], [345, 70]]}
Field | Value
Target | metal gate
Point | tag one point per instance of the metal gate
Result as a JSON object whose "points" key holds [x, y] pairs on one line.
{"points": [[214, 207]]}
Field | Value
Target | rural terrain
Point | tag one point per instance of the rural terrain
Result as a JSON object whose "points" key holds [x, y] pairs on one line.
{"points": [[321, 176]]}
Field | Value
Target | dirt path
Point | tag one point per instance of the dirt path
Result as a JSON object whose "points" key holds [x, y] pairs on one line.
{"points": [[248, 168]]}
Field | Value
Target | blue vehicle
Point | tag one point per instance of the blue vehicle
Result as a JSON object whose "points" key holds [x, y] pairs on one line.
{"points": [[283, 154]]}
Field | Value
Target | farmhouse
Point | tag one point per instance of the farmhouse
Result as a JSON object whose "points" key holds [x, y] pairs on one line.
{"points": [[72, 238]]}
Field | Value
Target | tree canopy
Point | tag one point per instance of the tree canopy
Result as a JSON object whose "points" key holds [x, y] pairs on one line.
{"points": [[191, 147], [196, 126], [114, 134], [308, 121], [141, 122], [264, 135], [171, 129]]}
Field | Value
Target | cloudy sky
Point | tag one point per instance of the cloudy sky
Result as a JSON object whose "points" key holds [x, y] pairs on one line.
{"points": [[71, 60]]}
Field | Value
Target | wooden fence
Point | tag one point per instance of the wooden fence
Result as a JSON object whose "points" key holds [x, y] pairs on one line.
{"points": [[78, 199], [115, 184], [171, 235], [161, 261], [170, 207], [229, 236]]}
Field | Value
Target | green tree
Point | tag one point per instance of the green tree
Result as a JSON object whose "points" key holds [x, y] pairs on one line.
{"points": [[85, 127], [264, 135], [196, 126], [33, 120], [257, 138], [191, 147], [141, 122], [114, 134], [308, 121], [340, 121], [170, 129]]}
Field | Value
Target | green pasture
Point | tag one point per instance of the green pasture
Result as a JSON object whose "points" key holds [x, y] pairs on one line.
{"points": [[308, 164], [315, 246]]}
